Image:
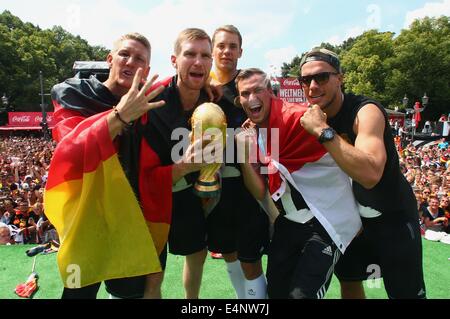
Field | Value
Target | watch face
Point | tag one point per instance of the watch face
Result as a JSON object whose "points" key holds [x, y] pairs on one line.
{"points": [[328, 135]]}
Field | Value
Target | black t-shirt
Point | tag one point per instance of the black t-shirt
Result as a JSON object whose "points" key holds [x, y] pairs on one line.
{"points": [[235, 115], [426, 213], [392, 196]]}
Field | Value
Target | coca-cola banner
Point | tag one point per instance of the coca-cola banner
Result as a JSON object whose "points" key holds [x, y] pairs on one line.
{"points": [[291, 90], [28, 119]]}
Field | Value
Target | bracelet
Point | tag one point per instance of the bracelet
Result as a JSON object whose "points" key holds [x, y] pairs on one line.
{"points": [[117, 115]]}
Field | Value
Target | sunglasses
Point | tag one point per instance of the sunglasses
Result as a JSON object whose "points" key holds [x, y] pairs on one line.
{"points": [[320, 78]]}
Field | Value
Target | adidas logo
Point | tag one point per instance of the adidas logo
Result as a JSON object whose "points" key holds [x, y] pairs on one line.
{"points": [[328, 251], [251, 292]]}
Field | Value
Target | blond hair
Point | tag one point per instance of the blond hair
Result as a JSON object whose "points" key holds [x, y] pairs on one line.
{"points": [[189, 35], [228, 28], [133, 36]]}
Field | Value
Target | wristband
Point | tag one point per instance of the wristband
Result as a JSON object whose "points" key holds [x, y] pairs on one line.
{"points": [[117, 115]]}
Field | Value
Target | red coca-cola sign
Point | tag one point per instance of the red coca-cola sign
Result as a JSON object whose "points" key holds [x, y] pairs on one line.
{"points": [[28, 119], [287, 82], [291, 90]]}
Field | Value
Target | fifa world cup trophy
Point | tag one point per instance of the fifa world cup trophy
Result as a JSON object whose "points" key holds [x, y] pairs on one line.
{"points": [[209, 118]]}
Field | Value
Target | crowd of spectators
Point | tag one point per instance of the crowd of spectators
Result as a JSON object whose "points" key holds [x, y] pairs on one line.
{"points": [[24, 162], [427, 169]]}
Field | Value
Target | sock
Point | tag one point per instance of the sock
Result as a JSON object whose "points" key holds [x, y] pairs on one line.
{"points": [[113, 297], [256, 289], [237, 278]]}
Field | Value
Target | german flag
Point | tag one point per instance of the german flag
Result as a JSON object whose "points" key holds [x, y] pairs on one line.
{"points": [[95, 211]]}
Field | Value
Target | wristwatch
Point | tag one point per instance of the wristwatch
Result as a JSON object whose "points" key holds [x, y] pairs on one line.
{"points": [[327, 135]]}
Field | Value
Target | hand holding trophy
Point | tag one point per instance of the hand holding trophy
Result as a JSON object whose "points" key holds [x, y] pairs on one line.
{"points": [[209, 120]]}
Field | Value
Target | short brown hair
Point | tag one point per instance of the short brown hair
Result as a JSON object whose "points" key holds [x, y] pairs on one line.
{"points": [[133, 36], [188, 35], [247, 73], [228, 28]]}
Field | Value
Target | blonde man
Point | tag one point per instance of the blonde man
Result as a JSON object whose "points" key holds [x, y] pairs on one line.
{"points": [[91, 118]]}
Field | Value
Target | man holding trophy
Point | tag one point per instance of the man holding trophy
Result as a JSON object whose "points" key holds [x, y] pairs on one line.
{"points": [[157, 139]]}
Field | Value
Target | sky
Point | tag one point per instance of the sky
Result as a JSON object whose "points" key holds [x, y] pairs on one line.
{"points": [[274, 31]]}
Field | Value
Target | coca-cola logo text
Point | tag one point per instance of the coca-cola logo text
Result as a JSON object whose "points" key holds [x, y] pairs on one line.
{"points": [[21, 119], [28, 118], [291, 82]]}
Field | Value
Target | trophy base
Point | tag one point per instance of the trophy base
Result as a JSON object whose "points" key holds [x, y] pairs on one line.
{"points": [[206, 189]]}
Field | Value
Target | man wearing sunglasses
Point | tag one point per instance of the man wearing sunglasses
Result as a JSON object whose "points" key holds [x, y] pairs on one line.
{"points": [[308, 237], [355, 131]]}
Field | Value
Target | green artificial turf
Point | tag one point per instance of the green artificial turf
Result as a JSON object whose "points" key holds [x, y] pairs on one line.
{"points": [[15, 268]]}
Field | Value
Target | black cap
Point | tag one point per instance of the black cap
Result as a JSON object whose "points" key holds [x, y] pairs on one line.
{"points": [[321, 54]]}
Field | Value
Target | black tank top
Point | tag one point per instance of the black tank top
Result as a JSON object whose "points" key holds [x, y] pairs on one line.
{"points": [[392, 196]]}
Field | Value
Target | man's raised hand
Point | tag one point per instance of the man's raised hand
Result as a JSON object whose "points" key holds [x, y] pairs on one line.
{"points": [[135, 103]]}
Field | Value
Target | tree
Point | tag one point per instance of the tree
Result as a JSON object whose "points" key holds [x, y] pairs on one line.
{"points": [[27, 50], [293, 69], [385, 67], [421, 64], [366, 64]]}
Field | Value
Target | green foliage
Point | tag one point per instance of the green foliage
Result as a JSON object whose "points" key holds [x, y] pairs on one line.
{"points": [[291, 69], [366, 64], [27, 50], [422, 64], [385, 67]]}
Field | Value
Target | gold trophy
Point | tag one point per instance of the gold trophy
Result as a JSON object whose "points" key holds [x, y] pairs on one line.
{"points": [[208, 116]]}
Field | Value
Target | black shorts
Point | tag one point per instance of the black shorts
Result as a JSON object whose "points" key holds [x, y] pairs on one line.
{"points": [[134, 287], [254, 236], [237, 223], [301, 260], [395, 248], [124, 288], [188, 228], [355, 264]]}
